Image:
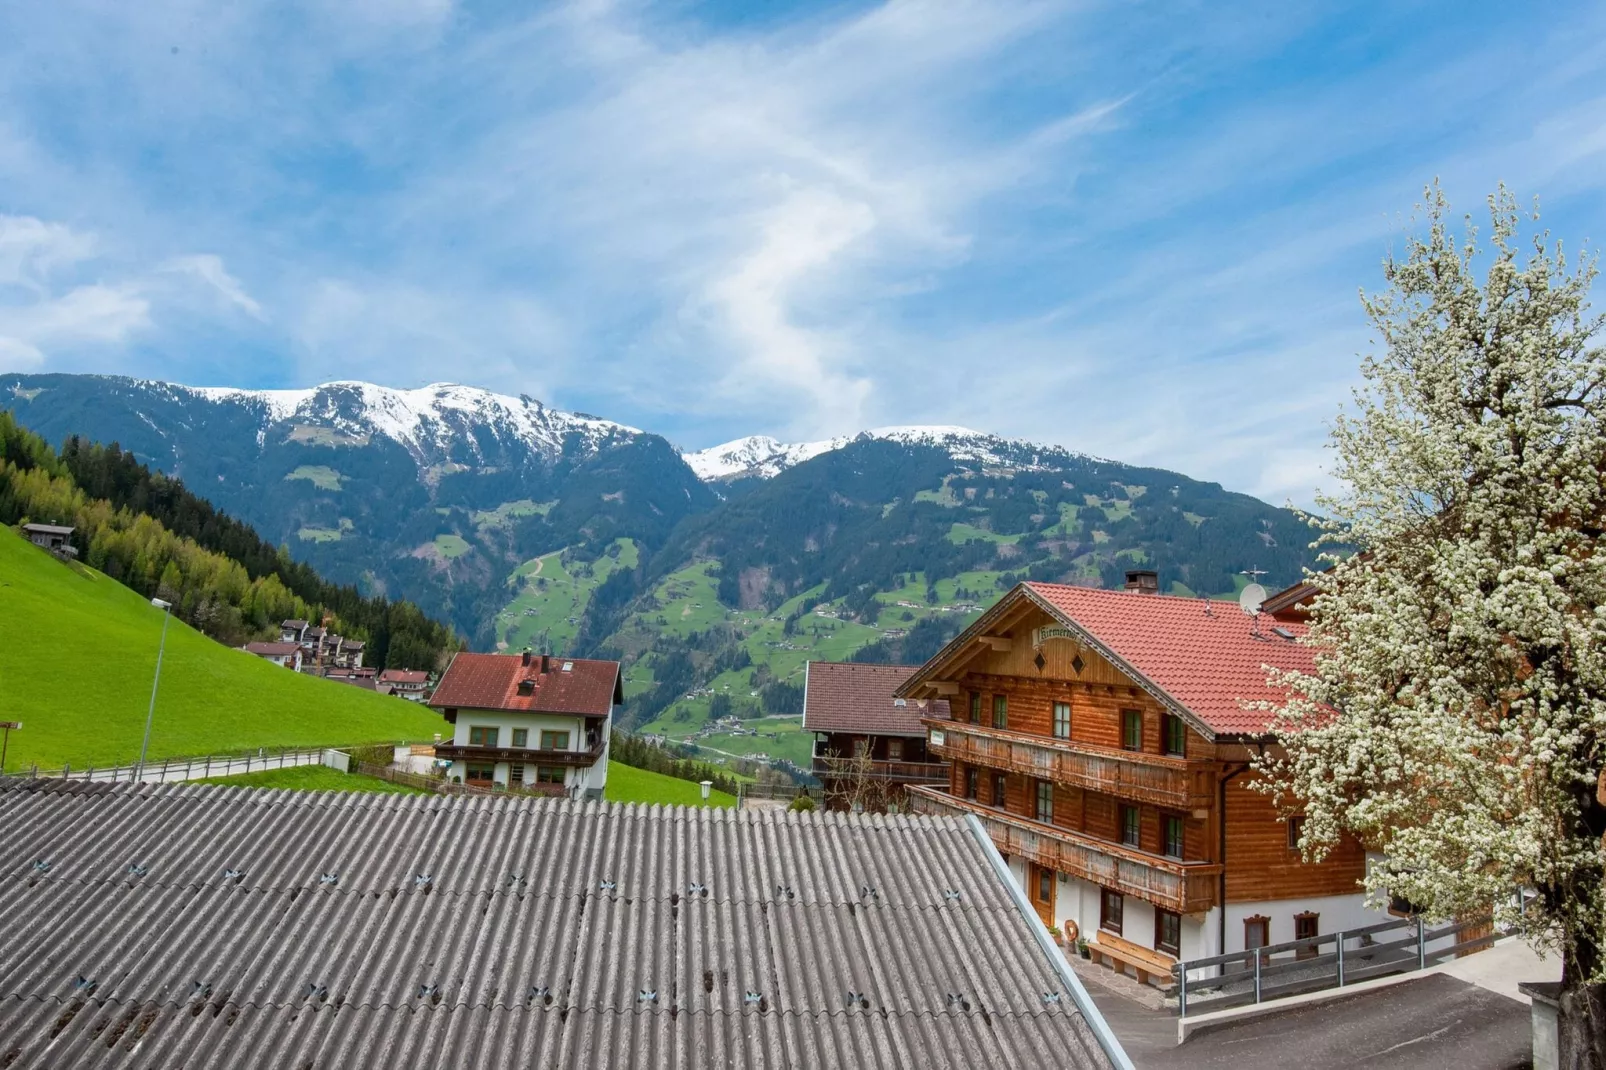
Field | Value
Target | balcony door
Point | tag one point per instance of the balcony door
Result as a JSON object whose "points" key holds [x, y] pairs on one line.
{"points": [[1040, 885]]}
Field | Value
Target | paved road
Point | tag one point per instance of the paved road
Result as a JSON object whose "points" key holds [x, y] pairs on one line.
{"points": [[1434, 1021]]}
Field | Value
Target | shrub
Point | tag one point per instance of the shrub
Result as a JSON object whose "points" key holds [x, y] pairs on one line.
{"points": [[802, 804]]}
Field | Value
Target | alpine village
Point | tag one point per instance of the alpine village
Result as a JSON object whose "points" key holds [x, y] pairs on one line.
{"points": [[354, 726]]}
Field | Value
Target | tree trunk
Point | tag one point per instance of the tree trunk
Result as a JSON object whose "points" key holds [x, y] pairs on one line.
{"points": [[1581, 1012]]}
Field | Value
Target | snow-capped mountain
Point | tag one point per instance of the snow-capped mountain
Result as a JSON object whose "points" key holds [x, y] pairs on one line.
{"points": [[762, 457], [429, 422]]}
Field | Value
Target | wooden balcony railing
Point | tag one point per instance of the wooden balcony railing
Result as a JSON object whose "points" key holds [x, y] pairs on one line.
{"points": [[1183, 887], [1153, 778], [527, 755], [828, 766]]}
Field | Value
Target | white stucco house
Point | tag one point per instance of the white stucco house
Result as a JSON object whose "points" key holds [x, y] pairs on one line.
{"points": [[530, 721]]}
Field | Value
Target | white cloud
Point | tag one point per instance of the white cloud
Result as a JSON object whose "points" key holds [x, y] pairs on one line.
{"points": [[31, 250], [18, 356], [209, 269]]}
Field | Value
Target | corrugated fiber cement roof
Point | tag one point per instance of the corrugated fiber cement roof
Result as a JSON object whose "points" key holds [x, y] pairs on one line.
{"points": [[193, 926]]}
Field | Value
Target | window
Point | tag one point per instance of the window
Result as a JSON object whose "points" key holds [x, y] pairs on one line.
{"points": [[515, 773], [1045, 802], [1045, 885], [1168, 933], [1171, 835], [1174, 736], [1255, 932], [975, 707], [550, 774], [970, 782], [1000, 795], [1296, 829], [521, 737], [1062, 720], [480, 774], [1130, 826], [1306, 927], [1110, 909], [554, 741], [1131, 729], [1000, 711], [861, 748], [480, 736], [894, 750]]}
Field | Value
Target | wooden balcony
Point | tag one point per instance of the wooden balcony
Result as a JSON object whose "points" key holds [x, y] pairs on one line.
{"points": [[828, 767], [1183, 887], [1153, 778], [527, 755]]}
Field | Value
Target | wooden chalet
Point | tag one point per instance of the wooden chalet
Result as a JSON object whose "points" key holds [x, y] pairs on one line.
{"points": [[868, 743], [1101, 738]]}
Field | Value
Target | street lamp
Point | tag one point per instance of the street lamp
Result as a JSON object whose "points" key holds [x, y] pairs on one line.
{"points": [[5, 741], [167, 615]]}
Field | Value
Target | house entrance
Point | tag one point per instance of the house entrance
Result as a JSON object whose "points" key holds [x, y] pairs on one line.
{"points": [[1040, 882]]}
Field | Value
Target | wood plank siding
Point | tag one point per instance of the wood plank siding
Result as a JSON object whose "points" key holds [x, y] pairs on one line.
{"points": [[1002, 732]]}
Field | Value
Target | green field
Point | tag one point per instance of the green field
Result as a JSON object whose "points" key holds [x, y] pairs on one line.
{"points": [[627, 784], [321, 476], [77, 658], [313, 778], [551, 598], [451, 547]]}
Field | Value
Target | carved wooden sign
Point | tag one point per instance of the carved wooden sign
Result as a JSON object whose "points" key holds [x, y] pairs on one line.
{"points": [[1051, 631]]}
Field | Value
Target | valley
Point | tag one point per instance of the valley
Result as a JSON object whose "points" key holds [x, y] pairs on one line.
{"points": [[714, 576]]}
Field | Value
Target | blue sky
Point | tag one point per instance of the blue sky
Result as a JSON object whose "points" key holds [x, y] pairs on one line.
{"points": [[1133, 229]]}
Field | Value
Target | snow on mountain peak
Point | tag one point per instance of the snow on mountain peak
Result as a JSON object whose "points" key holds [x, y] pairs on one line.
{"points": [[418, 418], [762, 457]]}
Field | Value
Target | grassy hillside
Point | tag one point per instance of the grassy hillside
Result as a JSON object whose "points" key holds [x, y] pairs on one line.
{"points": [[629, 784], [314, 778], [76, 665]]}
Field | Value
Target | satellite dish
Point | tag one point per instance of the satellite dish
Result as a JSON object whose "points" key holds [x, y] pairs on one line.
{"points": [[1250, 597]]}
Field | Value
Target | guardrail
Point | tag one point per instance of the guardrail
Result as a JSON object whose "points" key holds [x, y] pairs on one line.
{"points": [[446, 787], [174, 770], [1257, 976]]}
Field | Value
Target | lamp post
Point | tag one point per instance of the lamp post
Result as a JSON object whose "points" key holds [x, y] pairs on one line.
{"points": [[167, 615], [5, 741]]}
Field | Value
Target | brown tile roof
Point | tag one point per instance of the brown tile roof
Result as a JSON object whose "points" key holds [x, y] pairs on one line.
{"points": [[491, 682], [403, 676], [272, 650], [843, 696]]}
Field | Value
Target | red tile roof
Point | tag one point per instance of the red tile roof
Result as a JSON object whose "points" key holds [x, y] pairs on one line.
{"points": [[403, 676], [1210, 663], [849, 697], [491, 682]]}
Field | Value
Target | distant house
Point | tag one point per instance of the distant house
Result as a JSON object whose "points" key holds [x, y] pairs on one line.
{"points": [[868, 745], [52, 537], [407, 684], [533, 721], [348, 655], [286, 654], [292, 631]]}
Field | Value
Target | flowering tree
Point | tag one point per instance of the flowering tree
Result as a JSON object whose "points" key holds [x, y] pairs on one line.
{"points": [[1456, 716]]}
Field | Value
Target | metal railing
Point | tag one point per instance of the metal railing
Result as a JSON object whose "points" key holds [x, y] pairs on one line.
{"points": [[1277, 971], [175, 770]]}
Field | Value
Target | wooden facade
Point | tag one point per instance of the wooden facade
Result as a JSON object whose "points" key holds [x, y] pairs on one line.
{"points": [[873, 770], [1083, 772]]}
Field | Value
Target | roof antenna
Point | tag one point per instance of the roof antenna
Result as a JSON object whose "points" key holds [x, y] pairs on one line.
{"points": [[1253, 594]]}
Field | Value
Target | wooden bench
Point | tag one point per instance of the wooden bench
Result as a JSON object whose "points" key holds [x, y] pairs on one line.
{"points": [[1118, 953]]}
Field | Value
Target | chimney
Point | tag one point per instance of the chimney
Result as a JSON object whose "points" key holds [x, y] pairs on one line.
{"points": [[546, 664], [526, 655], [1143, 581]]}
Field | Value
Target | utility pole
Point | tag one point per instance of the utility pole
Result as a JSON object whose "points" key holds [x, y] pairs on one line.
{"points": [[167, 615]]}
